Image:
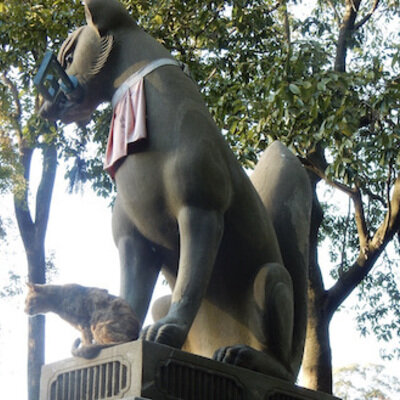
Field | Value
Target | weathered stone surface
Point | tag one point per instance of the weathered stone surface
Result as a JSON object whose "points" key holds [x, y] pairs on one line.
{"points": [[284, 188], [185, 207], [146, 370]]}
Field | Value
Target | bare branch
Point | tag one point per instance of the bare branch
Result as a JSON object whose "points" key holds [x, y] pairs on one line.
{"points": [[45, 190], [212, 73], [22, 213], [274, 7], [368, 15], [364, 263], [355, 195], [345, 31], [335, 184], [360, 221], [375, 196]]}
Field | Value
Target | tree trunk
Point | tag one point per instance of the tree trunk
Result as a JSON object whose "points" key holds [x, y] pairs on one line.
{"points": [[36, 348], [33, 233], [36, 325], [345, 33], [317, 360]]}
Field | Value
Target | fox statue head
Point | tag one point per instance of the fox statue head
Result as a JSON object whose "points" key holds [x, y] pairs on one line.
{"points": [[87, 54]]}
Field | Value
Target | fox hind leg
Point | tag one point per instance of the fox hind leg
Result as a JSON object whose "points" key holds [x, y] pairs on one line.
{"points": [[273, 323]]}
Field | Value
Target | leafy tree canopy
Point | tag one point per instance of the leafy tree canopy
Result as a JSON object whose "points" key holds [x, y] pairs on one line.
{"points": [[27, 30], [368, 382]]}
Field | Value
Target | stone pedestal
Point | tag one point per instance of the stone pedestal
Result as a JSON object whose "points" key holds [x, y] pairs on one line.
{"points": [[144, 370]]}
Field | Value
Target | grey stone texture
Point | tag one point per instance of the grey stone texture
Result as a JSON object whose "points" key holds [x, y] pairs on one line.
{"points": [[234, 252], [145, 370]]}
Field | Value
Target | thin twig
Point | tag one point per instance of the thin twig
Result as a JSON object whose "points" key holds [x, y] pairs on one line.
{"points": [[375, 196], [335, 184], [355, 195], [213, 72]]}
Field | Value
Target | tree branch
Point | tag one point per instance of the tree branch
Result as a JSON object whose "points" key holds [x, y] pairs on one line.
{"points": [[360, 221], [45, 190], [22, 213], [355, 195], [359, 24], [345, 32], [346, 229], [335, 184], [364, 263], [374, 196]]}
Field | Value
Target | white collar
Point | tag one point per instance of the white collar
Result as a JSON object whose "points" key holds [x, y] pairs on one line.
{"points": [[138, 75]]}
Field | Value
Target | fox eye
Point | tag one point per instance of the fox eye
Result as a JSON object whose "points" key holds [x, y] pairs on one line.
{"points": [[69, 59]]}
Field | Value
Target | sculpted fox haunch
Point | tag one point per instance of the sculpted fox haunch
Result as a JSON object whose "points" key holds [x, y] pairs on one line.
{"points": [[184, 205], [103, 319]]}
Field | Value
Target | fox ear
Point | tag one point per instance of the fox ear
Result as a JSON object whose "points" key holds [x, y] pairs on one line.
{"points": [[34, 287], [105, 15], [31, 286]]}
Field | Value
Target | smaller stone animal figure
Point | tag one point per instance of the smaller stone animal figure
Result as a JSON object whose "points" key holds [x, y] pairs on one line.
{"points": [[103, 319]]}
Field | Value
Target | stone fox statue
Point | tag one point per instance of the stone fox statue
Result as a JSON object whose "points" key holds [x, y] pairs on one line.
{"points": [[238, 272], [103, 319]]}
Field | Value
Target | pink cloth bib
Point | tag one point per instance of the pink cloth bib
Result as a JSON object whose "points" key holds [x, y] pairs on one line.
{"points": [[128, 125]]}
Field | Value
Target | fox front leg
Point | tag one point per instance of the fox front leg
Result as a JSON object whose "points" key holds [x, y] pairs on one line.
{"points": [[200, 233], [140, 263]]}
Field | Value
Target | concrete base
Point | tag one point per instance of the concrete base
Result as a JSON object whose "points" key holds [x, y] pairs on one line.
{"points": [[148, 371]]}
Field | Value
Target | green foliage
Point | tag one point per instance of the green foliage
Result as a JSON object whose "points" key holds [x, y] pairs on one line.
{"points": [[27, 30], [7, 159], [83, 153], [356, 121], [378, 310], [366, 382]]}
